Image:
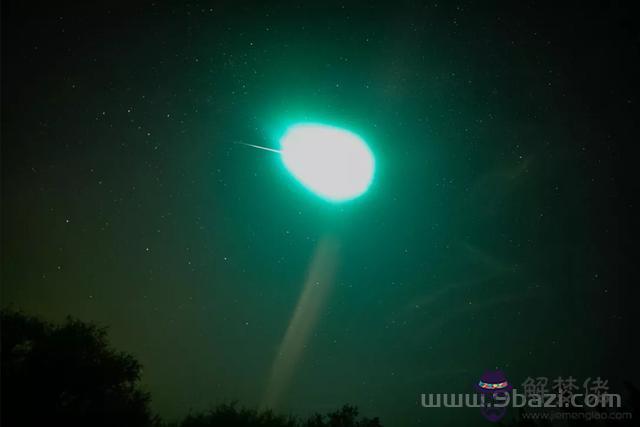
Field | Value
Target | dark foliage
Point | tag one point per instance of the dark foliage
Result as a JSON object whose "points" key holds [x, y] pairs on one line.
{"points": [[345, 417], [231, 415], [67, 375]]}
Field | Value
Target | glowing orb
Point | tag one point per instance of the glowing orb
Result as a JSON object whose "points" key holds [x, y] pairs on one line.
{"points": [[334, 163]]}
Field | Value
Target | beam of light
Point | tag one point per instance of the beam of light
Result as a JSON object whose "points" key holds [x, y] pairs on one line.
{"points": [[305, 316], [333, 163]]}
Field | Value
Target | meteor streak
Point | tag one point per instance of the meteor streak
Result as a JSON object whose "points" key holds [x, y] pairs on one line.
{"points": [[258, 146], [333, 163]]}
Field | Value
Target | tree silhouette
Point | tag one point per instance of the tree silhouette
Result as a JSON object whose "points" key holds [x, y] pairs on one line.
{"points": [[227, 415], [347, 416], [67, 375], [231, 415]]}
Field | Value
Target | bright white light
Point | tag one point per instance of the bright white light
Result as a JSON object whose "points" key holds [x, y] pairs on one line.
{"points": [[333, 163]]}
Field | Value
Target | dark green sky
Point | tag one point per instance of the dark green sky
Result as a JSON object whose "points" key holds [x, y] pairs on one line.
{"points": [[496, 232]]}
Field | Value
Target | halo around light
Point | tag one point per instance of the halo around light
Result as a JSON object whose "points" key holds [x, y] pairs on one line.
{"points": [[333, 163]]}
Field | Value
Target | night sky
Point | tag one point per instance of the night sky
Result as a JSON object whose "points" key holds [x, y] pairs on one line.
{"points": [[497, 231]]}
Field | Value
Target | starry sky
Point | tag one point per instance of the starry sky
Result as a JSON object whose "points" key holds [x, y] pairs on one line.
{"points": [[497, 231]]}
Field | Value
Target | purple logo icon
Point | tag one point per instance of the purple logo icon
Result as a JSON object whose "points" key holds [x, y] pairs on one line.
{"points": [[494, 390]]}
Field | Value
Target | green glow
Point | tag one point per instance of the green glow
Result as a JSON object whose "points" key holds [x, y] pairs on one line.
{"points": [[333, 163]]}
